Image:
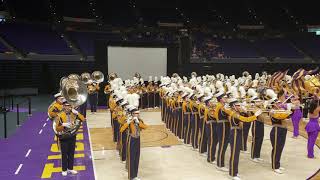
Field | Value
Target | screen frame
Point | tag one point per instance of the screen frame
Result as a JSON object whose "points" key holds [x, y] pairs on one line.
{"points": [[101, 52]]}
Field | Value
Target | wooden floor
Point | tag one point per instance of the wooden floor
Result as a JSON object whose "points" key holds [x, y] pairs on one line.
{"points": [[153, 136], [304, 134]]}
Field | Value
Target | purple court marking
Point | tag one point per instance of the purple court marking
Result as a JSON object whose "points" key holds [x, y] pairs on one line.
{"points": [[14, 149]]}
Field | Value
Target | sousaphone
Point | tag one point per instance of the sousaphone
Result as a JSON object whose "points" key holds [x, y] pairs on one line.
{"points": [[75, 93], [97, 76]]}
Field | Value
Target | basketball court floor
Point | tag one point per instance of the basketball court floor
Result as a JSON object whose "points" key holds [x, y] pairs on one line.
{"points": [[32, 153]]}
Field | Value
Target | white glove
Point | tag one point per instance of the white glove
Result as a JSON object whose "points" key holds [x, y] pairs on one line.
{"points": [[265, 104], [289, 106], [67, 125], [244, 109], [136, 120], [129, 120], [257, 113], [74, 111]]}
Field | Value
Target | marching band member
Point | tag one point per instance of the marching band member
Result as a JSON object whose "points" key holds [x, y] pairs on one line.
{"points": [[183, 120], [177, 112], [173, 111], [122, 117], [223, 129], [156, 94], [245, 132], [93, 89], [194, 120], [150, 93], [279, 114], [64, 120], [161, 94], [211, 130], [257, 131], [107, 91], [187, 118], [236, 119], [144, 95], [203, 117], [313, 127], [116, 126], [112, 106], [134, 125], [56, 106], [83, 108], [296, 116]]}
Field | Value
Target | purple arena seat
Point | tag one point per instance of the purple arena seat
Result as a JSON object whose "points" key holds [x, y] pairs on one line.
{"points": [[85, 40], [3, 48], [35, 38], [278, 48], [310, 44], [209, 47]]}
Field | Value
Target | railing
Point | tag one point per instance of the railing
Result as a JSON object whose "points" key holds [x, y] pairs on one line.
{"points": [[21, 107]]}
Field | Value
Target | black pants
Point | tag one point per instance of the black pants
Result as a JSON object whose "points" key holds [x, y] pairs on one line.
{"points": [[144, 100], [67, 152], [187, 128], [107, 99], [223, 130], [162, 109], [157, 99], [203, 136], [93, 99], [115, 130], [123, 145], [278, 139], [257, 138], [133, 156], [235, 143], [245, 133], [212, 141], [83, 109], [150, 100], [179, 123], [195, 130], [173, 121]]}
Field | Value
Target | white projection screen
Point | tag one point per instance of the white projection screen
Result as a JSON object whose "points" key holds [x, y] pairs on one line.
{"points": [[126, 61]]}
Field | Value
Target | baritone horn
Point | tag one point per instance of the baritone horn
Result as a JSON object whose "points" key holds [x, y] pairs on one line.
{"points": [[97, 76]]}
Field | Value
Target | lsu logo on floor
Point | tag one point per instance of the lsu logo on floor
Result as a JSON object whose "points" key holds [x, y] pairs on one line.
{"points": [[54, 158]]}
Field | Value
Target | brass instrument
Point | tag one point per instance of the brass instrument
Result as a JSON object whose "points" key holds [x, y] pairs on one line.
{"points": [[85, 77], [97, 76], [112, 76], [75, 92], [137, 75], [74, 76], [63, 81], [193, 74], [175, 75]]}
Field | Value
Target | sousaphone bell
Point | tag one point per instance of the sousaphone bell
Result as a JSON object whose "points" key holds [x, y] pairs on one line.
{"points": [[97, 76]]}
